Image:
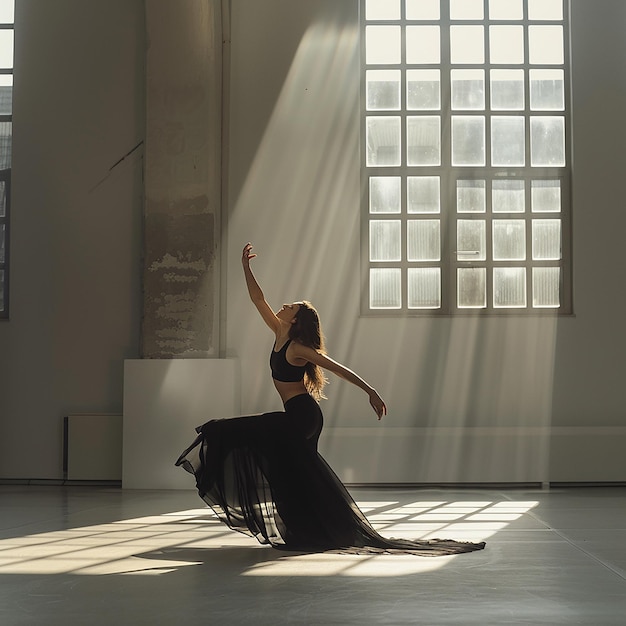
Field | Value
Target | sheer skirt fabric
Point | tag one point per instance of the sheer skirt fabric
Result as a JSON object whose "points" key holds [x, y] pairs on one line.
{"points": [[263, 476]]}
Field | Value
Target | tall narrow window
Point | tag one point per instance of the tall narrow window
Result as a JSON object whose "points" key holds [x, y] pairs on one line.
{"points": [[6, 133], [465, 156]]}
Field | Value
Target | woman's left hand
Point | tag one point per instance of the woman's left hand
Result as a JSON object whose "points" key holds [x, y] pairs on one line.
{"points": [[378, 404], [247, 254]]}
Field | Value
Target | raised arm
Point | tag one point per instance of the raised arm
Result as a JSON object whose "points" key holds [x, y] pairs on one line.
{"points": [[255, 291], [342, 371]]}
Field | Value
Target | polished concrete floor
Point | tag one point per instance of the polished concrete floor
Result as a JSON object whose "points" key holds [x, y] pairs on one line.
{"points": [[104, 556]]}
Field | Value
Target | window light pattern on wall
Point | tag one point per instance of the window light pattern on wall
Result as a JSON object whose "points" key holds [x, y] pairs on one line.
{"points": [[465, 156]]}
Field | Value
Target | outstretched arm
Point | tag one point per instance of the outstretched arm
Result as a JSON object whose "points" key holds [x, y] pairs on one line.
{"points": [[342, 371], [255, 291]]}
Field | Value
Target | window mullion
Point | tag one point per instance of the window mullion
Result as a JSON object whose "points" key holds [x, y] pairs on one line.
{"points": [[448, 204]]}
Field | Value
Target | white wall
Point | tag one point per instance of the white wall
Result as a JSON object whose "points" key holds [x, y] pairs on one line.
{"points": [[492, 399], [294, 192], [75, 229]]}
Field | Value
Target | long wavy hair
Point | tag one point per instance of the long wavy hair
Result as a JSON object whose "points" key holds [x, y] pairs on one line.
{"points": [[307, 329]]}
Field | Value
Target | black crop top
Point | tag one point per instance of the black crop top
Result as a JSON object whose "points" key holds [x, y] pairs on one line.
{"points": [[282, 370]]}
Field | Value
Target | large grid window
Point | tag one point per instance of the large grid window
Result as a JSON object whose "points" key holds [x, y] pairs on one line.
{"points": [[6, 133], [465, 156]]}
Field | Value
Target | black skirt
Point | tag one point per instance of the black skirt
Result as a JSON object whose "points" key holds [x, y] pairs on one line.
{"points": [[263, 476]]}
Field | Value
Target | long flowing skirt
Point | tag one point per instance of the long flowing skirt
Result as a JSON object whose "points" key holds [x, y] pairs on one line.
{"points": [[263, 476]]}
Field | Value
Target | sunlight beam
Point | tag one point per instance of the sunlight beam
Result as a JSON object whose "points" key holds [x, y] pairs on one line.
{"points": [[149, 545]]}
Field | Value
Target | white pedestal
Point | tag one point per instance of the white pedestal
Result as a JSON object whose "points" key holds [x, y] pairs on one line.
{"points": [[164, 400]]}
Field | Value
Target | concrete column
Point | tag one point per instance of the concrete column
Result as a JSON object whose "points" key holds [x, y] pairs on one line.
{"points": [[182, 178]]}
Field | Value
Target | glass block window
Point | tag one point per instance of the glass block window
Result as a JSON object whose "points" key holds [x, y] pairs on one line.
{"points": [[6, 134], [466, 159]]}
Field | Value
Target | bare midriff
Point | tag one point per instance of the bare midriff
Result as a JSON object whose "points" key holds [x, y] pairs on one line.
{"points": [[286, 391]]}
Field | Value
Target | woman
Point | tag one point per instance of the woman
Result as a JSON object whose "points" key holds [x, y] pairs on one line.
{"points": [[262, 474]]}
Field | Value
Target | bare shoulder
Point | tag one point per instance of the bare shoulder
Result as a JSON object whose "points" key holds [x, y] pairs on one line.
{"points": [[307, 353], [301, 351]]}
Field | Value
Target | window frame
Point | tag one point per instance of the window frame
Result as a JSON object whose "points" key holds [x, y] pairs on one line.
{"points": [[449, 174], [5, 176]]}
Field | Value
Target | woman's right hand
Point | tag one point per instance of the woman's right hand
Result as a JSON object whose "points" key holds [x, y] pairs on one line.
{"points": [[377, 404], [247, 254]]}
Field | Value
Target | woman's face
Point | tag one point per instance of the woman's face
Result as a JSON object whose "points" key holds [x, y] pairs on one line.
{"points": [[288, 312]]}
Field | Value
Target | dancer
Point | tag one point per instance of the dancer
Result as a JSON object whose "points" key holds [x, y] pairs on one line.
{"points": [[262, 474]]}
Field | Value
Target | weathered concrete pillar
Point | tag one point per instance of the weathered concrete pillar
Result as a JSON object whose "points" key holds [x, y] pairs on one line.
{"points": [[182, 178]]}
